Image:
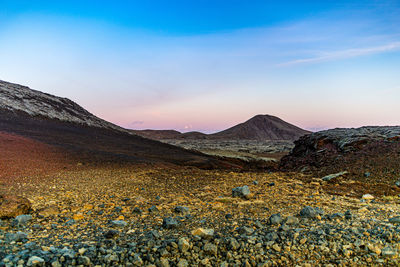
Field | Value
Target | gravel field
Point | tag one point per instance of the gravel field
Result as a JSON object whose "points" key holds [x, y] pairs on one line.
{"points": [[137, 216]]}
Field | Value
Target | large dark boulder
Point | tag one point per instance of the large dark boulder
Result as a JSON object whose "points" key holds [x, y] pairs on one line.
{"points": [[373, 150]]}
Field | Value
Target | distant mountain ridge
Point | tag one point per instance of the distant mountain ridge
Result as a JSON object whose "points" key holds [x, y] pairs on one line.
{"points": [[260, 127]]}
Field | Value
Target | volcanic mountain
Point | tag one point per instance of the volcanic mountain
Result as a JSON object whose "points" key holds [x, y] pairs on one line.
{"points": [[260, 127], [50, 124]]}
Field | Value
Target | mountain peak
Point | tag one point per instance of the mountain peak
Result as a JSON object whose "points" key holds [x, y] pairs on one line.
{"points": [[262, 127]]}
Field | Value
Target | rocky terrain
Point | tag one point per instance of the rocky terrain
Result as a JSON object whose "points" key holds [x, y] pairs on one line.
{"points": [[196, 218], [367, 153], [259, 128], [247, 150]]}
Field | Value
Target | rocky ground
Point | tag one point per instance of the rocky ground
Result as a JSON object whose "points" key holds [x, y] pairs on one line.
{"points": [[140, 216], [247, 150], [369, 154]]}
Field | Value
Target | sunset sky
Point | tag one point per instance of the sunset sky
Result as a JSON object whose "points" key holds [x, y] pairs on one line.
{"points": [[208, 65]]}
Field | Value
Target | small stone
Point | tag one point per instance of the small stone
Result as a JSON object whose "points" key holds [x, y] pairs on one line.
{"points": [[182, 263], [170, 223], [181, 210], [374, 248], [255, 182], [334, 176], [368, 197], [20, 236], [84, 261], [153, 209], [82, 251], [367, 174], [203, 233], [242, 191], [277, 248], [119, 223], [244, 230], [397, 183], [183, 244], [49, 211], [310, 212], [111, 233], [22, 219], [275, 219], [210, 249], [234, 244], [35, 261]]}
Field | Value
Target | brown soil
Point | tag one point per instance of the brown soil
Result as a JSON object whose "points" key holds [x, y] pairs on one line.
{"points": [[22, 156]]}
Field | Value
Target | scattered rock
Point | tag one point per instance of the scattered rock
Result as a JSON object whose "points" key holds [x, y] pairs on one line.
{"points": [[334, 176], [170, 223], [22, 219], [210, 249], [153, 209], [181, 210], [119, 223], [395, 220], [12, 206], [244, 230], [242, 191], [204, 233], [111, 234], [183, 244], [368, 197], [275, 219], [35, 261], [49, 211], [310, 212]]}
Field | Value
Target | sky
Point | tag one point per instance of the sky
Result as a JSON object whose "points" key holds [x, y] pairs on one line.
{"points": [[208, 65]]}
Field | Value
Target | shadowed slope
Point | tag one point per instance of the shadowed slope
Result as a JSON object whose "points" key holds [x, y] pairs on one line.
{"points": [[62, 123]]}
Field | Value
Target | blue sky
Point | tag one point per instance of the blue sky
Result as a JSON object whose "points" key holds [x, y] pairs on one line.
{"points": [[207, 65]]}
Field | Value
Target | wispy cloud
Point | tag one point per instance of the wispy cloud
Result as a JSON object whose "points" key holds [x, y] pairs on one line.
{"points": [[343, 54]]}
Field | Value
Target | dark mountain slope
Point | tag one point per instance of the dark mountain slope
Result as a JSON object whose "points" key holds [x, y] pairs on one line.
{"points": [[262, 127], [64, 124]]}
